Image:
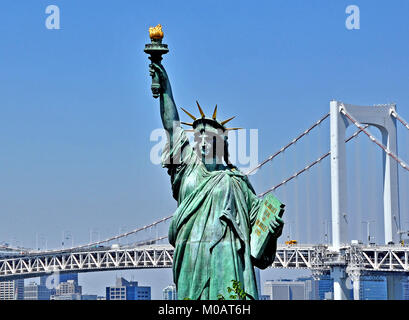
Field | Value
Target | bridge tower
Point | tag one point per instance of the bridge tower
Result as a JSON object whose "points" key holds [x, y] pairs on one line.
{"points": [[380, 117]]}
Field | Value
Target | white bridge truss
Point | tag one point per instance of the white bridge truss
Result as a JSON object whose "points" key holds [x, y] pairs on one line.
{"points": [[383, 258], [34, 265], [318, 258]]}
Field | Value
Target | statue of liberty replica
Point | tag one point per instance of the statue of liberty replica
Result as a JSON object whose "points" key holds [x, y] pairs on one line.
{"points": [[221, 230]]}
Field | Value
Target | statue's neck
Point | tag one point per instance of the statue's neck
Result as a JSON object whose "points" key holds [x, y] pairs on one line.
{"points": [[213, 166]]}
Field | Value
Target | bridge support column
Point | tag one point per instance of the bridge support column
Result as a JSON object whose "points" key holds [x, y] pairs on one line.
{"points": [[338, 176], [390, 182], [341, 291], [357, 287], [355, 276]]}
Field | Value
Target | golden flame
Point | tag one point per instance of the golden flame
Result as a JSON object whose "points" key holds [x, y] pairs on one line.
{"points": [[156, 32]]}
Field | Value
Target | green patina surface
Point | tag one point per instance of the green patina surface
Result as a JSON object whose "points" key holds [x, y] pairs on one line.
{"points": [[211, 227], [217, 210]]}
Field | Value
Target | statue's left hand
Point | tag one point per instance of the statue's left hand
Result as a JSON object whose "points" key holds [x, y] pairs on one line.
{"points": [[276, 226]]}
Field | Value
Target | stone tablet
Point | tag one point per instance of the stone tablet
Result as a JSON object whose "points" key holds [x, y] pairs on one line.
{"points": [[260, 234]]}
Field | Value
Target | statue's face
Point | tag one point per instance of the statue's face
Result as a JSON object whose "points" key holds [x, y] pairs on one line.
{"points": [[209, 145]]}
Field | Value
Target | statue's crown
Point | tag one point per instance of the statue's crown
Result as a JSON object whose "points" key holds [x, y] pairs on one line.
{"points": [[210, 121]]}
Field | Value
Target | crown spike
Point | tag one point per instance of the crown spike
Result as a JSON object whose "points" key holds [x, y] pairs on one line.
{"points": [[227, 129], [225, 121], [187, 124], [200, 110], [189, 114], [214, 112]]}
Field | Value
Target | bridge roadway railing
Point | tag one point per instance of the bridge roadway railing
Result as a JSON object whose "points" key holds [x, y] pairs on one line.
{"points": [[95, 259], [317, 258], [393, 258]]}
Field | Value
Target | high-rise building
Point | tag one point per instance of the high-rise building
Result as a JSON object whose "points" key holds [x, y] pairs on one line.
{"points": [[285, 289], [405, 289], [325, 288], [169, 293], [310, 288], [373, 288], [127, 290], [50, 282], [397, 286], [68, 289], [12, 290], [258, 281], [304, 288], [53, 280], [34, 291]]}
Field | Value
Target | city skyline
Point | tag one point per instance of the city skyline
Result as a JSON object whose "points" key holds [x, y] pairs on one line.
{"points": [[300, 288]]}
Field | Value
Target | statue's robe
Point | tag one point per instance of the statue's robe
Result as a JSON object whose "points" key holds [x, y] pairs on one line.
{"points": [[211, 227]]}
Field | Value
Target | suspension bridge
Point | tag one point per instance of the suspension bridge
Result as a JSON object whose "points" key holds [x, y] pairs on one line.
{"points": [[342, 257]]}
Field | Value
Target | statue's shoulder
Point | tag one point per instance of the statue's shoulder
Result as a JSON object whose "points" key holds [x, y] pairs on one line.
{"points": [[236, 172], [244, 178]]}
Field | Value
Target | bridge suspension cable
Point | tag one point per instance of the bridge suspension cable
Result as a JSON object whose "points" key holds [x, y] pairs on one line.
{"points": [[397, 116], [146, 242], [309, 166], [270, 158], [374, 140], [9, 248], [126, 234]]}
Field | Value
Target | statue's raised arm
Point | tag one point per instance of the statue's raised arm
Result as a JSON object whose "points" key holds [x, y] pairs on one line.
{"points": [[160, 80], [168, 110]]}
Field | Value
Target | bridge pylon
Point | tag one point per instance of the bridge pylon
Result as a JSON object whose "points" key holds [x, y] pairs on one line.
{"points": [[380, 117]]}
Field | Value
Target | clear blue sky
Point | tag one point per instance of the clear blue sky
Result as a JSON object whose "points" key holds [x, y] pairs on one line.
{"points": [[76, 111]]}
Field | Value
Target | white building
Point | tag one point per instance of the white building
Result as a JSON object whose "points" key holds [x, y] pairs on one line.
{"points": [[34, 291], [68, 290], [288, 289], [12, 290], [169, 293]]}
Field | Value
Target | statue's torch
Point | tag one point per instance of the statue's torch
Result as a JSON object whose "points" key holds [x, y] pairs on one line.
{"points": [[156, 49]]}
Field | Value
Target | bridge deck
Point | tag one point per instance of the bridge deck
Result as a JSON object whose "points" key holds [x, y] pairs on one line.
{"points": [[314, 257]]}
